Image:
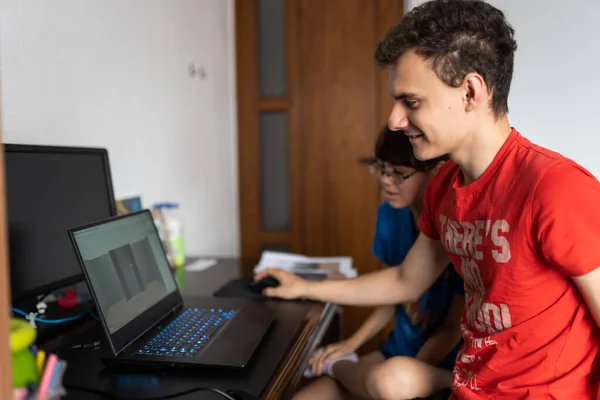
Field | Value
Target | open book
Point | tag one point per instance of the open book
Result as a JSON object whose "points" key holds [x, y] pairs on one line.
{"points": [[311, 268]]}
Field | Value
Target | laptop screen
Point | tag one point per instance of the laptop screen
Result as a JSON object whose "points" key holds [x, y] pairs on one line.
{"points": [[126, 268]]}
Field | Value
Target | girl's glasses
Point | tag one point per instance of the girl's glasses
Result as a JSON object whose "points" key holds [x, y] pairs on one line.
{"points": [[379, 170]]}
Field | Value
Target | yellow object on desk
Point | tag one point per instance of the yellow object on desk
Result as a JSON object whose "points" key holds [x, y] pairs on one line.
{"points": [[22, 337], [40, 359]]}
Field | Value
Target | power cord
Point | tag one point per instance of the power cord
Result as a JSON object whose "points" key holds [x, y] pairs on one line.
{"points": [[47, 321], [169, 396]]}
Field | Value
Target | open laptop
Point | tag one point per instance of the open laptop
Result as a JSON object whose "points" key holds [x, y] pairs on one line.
{"points": [[142, 310]]}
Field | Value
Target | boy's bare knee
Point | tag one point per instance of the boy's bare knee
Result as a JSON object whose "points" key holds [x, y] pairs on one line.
{"points": [[321, 388], [393, 379]]}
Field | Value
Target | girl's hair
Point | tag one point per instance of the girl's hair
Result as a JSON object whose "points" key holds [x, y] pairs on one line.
{"points": [[394, 147]]}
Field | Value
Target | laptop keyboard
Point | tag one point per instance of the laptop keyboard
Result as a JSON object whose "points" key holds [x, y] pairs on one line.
{"points": [[188, 333]]}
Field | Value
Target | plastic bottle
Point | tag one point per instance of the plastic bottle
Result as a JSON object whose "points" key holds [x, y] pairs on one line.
{"points": [[173, 225]]}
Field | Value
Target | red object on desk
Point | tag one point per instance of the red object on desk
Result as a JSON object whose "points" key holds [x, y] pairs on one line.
{"points": [[69, 299]]}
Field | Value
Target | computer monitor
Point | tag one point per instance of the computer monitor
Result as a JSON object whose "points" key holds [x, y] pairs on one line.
{"points": [[50, 190]]}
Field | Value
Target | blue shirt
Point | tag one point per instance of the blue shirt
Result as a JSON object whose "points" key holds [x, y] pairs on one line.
{"points": [[415, 322]]}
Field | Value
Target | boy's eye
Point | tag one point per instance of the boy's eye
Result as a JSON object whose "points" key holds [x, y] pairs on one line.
{"points": [[411, 103]]}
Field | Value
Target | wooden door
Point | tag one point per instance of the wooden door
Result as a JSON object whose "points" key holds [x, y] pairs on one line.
{"points": [[320, 121], [5, 357]]}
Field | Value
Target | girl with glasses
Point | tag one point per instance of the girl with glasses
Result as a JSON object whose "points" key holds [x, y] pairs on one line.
{"points": [[426, 330]]}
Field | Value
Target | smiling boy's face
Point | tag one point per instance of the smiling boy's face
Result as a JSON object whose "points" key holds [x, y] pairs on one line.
{"points": [[437, 117]]}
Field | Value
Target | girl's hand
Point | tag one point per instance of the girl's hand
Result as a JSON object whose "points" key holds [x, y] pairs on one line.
{"points": [[329, 353]]}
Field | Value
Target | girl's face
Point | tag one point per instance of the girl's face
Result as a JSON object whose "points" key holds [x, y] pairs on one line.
{"points": [[402, 186]]}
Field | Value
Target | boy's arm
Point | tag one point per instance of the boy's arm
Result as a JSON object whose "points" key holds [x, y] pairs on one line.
{"points": [[423, 264], [589, 285], [446, 337]]}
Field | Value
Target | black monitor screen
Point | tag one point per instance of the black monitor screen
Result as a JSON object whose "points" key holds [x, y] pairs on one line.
{"points": [[50, 190]]}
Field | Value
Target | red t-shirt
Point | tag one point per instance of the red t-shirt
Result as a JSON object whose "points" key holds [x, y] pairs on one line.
{"points": [[516, 235]]}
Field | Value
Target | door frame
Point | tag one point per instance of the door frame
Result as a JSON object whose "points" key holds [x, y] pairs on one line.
{"points": [[6, 388], [250, 105]]}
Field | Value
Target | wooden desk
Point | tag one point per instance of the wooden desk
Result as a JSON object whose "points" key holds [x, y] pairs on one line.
{"points": [[291, 368], [274, 373]]}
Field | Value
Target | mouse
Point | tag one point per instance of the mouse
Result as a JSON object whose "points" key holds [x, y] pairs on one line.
{"points": [[261, 284], [241, 395]]}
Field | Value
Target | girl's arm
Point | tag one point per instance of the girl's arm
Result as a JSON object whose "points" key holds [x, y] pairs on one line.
{"points": [[375, 323]]}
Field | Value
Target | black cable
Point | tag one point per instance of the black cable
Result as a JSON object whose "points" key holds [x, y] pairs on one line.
{"points": [[169, 396]]}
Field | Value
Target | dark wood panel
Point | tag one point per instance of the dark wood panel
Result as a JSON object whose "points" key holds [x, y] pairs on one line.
{"points": [[338, 117], [276, 237], [248, 145], [273, 104], [337, 101], [250, 105], [297, 155]]}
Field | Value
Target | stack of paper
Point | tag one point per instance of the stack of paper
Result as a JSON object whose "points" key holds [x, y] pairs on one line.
{"points": [[310, 267]]}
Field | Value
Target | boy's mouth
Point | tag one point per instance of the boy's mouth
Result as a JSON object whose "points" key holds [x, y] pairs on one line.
{"points": [[413, 137]]}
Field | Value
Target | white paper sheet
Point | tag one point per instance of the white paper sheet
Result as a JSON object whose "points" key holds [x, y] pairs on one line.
{"points": [[326, 266], [201, 265]]}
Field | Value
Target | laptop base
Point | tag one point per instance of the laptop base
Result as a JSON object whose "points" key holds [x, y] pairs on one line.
{"points": [[227, 349]]}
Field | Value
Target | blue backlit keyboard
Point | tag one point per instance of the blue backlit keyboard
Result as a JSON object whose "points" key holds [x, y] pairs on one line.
{"points": [[188, 333]]}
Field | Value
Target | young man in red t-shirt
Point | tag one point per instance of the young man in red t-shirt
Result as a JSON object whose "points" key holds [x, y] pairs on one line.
{"points": [[520, 223]]}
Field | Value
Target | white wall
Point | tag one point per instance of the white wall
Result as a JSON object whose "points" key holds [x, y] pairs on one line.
{"points": [[554, 95], [114, 74]]}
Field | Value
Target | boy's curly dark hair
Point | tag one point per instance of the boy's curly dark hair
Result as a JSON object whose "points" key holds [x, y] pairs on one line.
{"points": [[458, 36]]}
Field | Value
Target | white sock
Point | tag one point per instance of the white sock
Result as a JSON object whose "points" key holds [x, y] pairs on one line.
{"points": [[328, 367]]}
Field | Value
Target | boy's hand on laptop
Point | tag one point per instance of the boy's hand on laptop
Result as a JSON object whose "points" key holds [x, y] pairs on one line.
{"points": [[291, 286]]}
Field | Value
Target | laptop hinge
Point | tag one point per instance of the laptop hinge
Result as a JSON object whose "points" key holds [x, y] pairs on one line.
{"points": [[168, 314]]}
